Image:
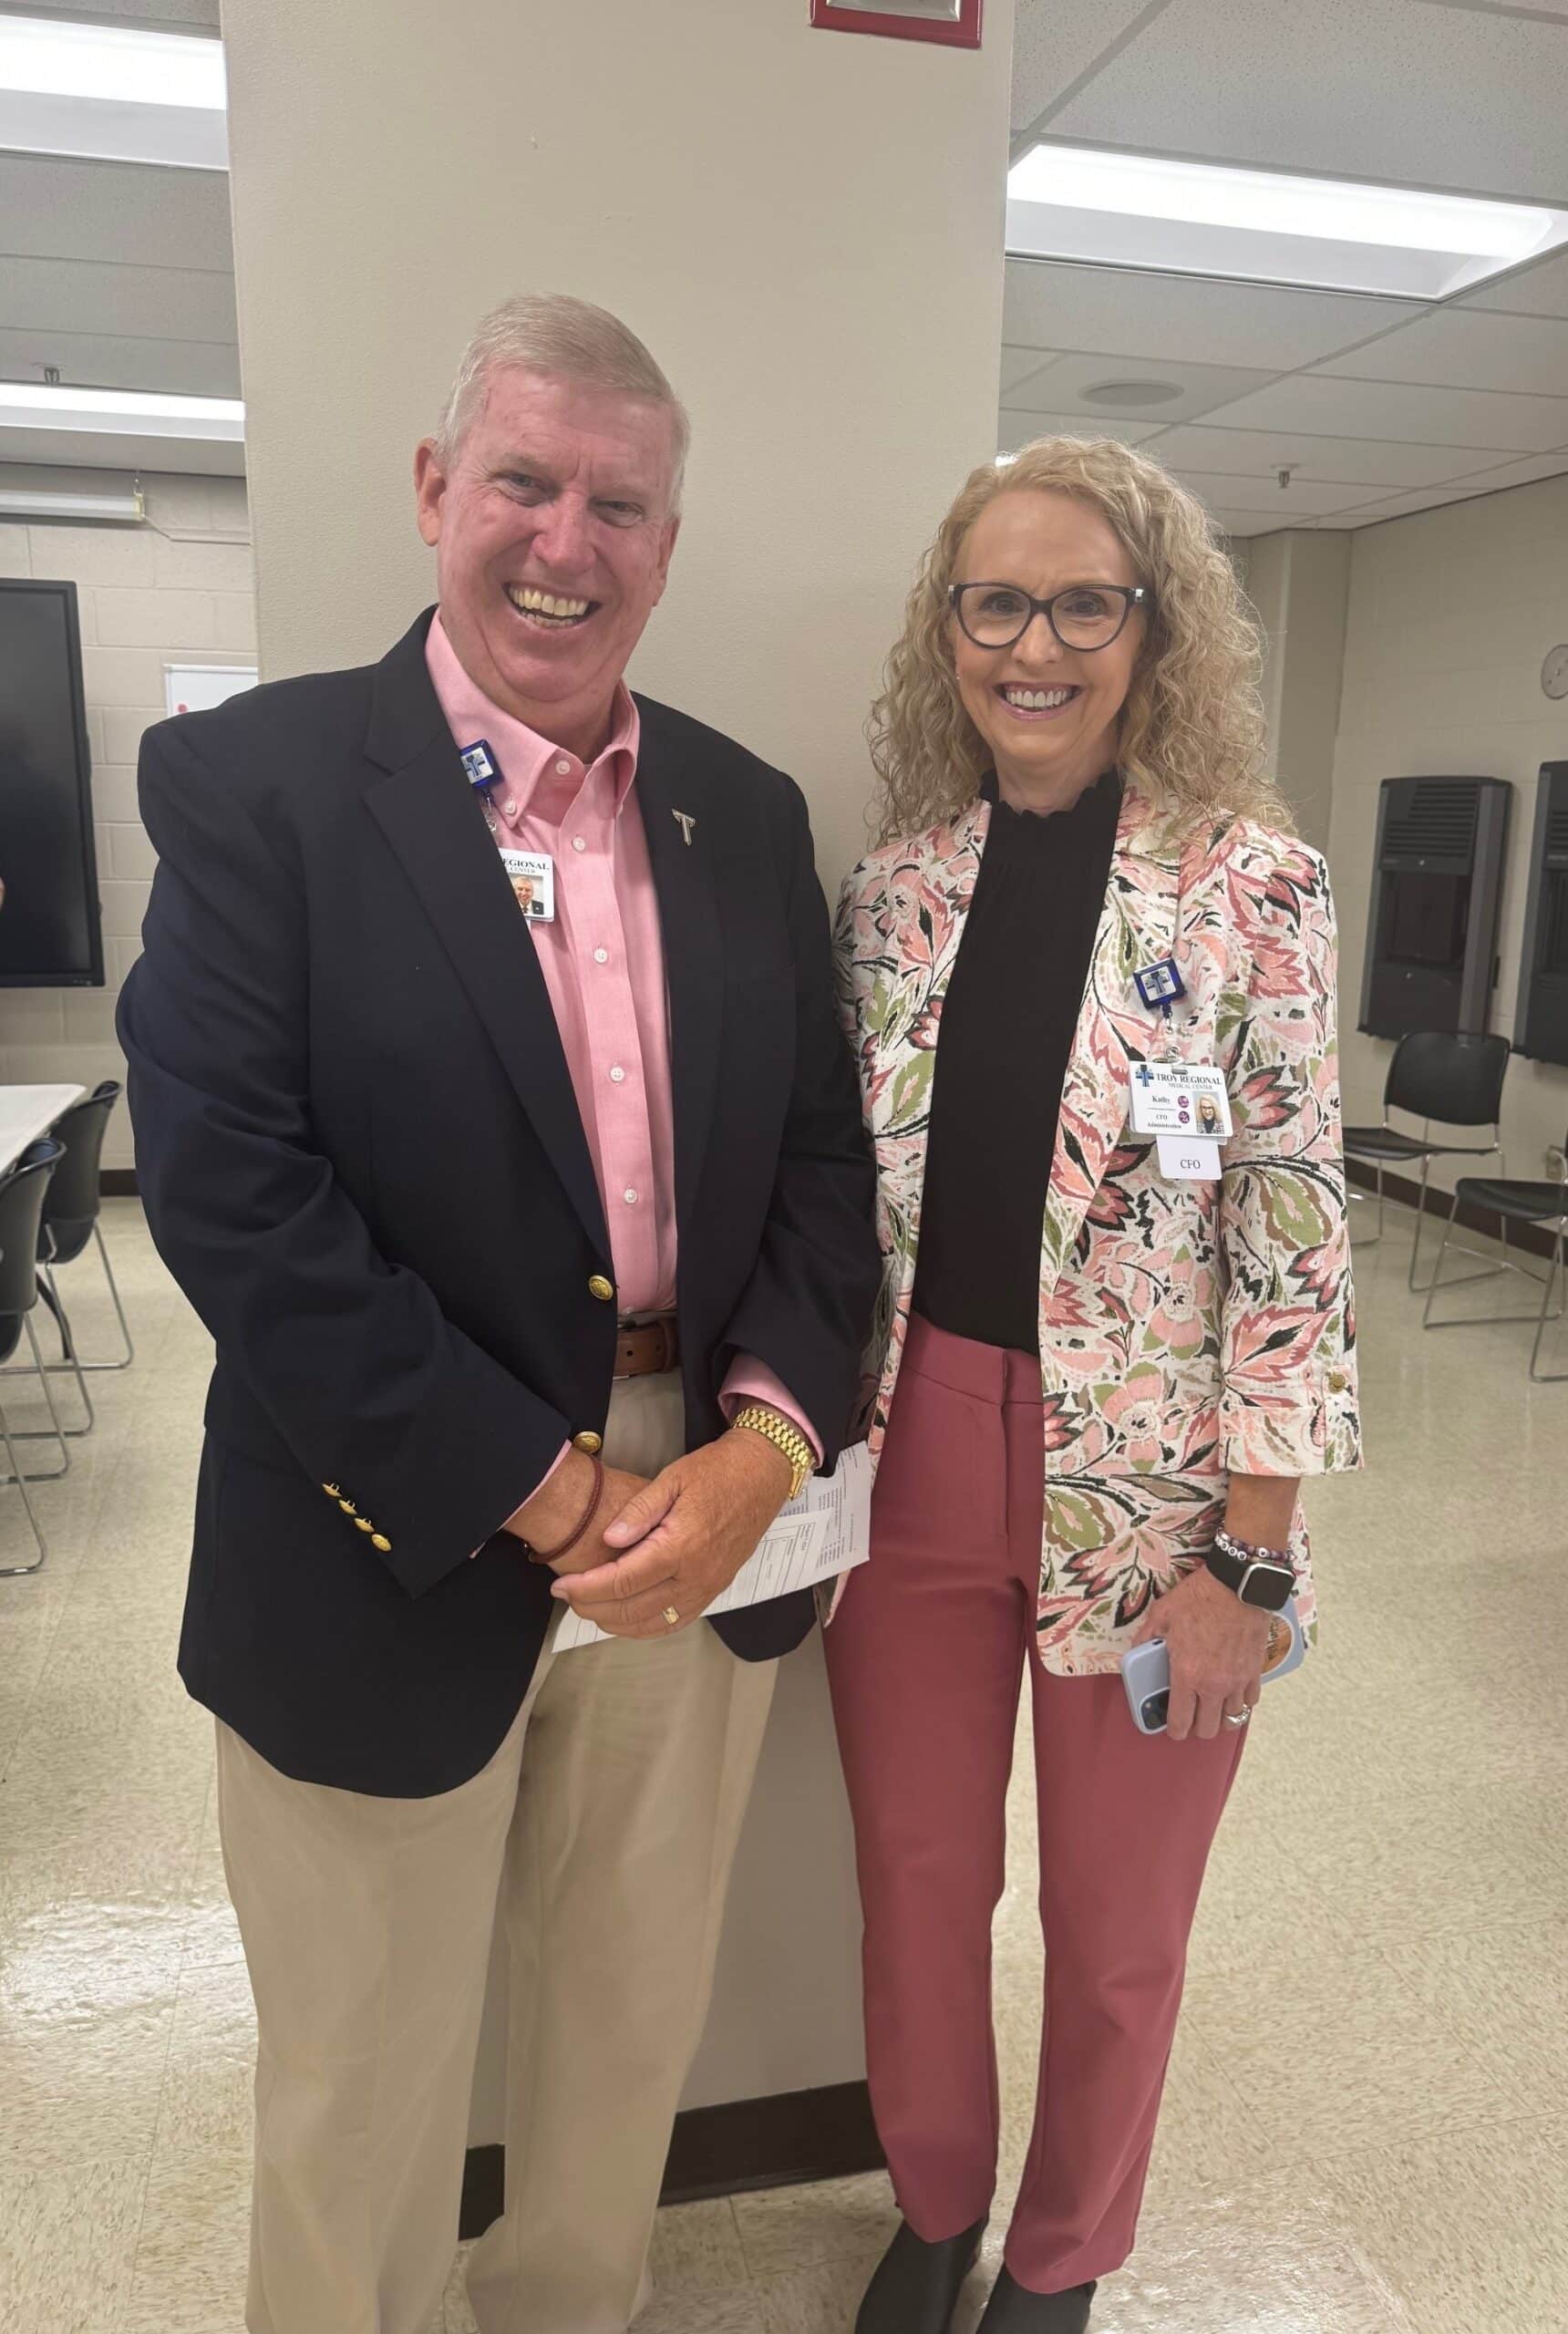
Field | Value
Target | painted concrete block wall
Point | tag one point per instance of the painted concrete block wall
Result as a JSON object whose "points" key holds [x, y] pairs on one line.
{"points": [[1450, 613], [176, 590]]}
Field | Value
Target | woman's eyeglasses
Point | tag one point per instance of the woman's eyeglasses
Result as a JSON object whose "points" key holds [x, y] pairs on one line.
{"points": [[1087, 616]]}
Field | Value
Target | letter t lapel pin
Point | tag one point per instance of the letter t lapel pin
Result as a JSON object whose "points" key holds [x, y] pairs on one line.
{"points": [[686, 824]]}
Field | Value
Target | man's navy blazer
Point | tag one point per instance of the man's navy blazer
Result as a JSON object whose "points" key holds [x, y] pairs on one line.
{"points": [[361, 1158]]}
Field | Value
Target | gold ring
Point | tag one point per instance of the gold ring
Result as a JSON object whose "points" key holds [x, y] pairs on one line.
{"points": [[672, 1616]]}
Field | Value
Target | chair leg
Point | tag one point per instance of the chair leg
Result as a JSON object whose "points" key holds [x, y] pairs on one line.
{"points": [[1427, 1322], [1421, 1221], [39, 1434], [1549, 1377], [18, 1572], [1353, 1193], [119, 1309], [47, 1369]]}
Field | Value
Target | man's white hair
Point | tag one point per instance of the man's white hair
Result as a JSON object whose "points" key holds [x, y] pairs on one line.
{"points": [[566, 340]]}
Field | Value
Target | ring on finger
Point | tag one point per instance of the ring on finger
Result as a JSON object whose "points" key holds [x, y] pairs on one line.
{"points": [[1238, 1718], [671, 1618]]}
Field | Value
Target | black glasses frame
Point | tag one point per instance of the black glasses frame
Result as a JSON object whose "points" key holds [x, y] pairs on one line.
{"points": [[1132, 595]]}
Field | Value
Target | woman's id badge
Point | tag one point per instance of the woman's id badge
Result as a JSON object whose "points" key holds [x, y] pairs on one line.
{"points": [[532, 874], [1180, 1098]]}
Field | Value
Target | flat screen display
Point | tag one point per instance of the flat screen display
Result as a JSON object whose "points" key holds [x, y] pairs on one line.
{"points": [[50, 931]]}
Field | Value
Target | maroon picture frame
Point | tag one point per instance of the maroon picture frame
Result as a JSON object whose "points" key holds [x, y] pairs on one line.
{"points": [[963, 32]]}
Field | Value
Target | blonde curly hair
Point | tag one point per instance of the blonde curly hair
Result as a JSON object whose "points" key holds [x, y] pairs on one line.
{"points": [[1193, 732]]}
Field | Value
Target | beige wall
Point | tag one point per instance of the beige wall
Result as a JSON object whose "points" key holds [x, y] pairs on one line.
{"points": [[1450, 613], [1299, 583], [176, 590], [807, 228]]}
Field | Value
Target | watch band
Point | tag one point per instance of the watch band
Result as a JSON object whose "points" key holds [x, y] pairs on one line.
{"points": [[1263, 1577], [785, 1436]]}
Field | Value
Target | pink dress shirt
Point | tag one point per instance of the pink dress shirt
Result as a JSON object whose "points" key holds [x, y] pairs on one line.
{"points": [[603, 963]]}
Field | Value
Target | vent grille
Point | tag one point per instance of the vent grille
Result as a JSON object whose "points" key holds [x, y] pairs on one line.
{"points": [[1557, 828], [1434, 819]]}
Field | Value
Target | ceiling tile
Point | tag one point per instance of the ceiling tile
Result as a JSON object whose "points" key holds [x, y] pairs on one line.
{"points": [[1052, 46], [1125, 312], [1020, 365], [160, 15], [1465, 348], [1428, 96], [53, 207], [1405, 506], [197, 368], [1015, 429], [1538, 291], [1479, 417], [147, 303], [1074, 372], [1390, 462], [1243, 523], [84, 449], [1301, 498]]}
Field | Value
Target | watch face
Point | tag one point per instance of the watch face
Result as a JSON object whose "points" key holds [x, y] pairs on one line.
{"points": [[1268, 1585]]}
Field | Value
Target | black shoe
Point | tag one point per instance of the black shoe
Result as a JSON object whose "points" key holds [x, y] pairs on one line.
{"points": [[1013, 2309], [915, 2286]]}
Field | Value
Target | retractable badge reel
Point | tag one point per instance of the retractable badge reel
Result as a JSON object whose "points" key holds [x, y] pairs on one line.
{"points": [[531, 874]]}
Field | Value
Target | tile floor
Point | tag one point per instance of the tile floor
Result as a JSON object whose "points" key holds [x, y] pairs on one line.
{"points": [[1366, 2129]]}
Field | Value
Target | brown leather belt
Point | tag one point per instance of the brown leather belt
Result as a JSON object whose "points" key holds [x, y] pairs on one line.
{"points": [[644, 1348]]}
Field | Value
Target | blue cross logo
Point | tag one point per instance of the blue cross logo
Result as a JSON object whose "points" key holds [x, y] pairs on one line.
{"points": [[1143, 1074]]}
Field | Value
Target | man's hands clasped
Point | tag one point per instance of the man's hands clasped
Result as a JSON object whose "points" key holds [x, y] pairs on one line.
{"points": [[674, 1545]]}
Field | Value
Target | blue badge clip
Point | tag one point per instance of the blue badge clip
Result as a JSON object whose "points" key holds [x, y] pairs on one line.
{"points": [[480, 763], [1160, 985]]}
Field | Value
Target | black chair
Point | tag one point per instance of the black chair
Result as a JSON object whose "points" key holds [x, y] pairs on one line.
{"points": [[1456, 1078], [71, 1214], [1512, 1200], [22, 1190]]}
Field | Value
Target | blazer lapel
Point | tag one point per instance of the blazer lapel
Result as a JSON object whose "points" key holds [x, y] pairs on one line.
{"points": [[1137, 926], [425, 807], [681, 824]]}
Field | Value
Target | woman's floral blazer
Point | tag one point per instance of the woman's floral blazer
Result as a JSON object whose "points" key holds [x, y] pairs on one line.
{"points": [[1186, 1328]]}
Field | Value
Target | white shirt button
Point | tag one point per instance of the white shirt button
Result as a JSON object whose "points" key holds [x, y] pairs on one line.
{"points": [[600, 956], [617, 1076], [510, 809], [563, 768], [578, 843], [630, 1197]]}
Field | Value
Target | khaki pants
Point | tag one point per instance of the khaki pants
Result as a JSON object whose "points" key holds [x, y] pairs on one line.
{"points": [[366, 1925]]}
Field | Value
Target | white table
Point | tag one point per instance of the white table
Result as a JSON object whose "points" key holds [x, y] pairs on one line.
{"points": [[29, 1111]]}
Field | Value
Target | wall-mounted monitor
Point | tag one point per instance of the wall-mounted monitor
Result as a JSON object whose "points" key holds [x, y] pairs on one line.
{"points": [[1436, 894], [1540, 1023], [50, 933]]}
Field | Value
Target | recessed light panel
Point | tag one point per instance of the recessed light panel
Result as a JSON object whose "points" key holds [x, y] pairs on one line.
{"points": [[112, 93], [1112, 209], [131, 413]]}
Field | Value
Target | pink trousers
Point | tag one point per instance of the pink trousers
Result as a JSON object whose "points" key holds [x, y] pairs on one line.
{"points": [[924, 1660]]}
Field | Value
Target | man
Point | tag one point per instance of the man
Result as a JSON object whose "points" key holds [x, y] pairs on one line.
{"points": [[467, 1198]]}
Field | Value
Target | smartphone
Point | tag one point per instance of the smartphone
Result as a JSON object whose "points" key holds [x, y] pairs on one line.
{"points": [[1146, 1670]]}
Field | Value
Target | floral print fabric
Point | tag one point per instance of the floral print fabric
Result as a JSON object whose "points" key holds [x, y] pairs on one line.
{"points": [[1186, 1328]]}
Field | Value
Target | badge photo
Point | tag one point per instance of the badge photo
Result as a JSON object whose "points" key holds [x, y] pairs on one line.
{"points": [[532, 874]]}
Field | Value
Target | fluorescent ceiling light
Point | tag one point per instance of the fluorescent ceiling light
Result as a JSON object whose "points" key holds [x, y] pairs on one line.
{"points": [[43, 504], [133, 413], [113, 93], [1077, 202]]}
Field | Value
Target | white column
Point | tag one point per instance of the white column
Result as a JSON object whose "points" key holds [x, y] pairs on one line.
{"points": [[806, 227]]}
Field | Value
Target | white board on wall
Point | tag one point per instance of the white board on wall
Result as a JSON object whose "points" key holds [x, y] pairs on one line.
{"points": [[197, 689]]}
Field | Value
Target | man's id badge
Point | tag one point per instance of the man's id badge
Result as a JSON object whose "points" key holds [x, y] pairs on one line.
{"points": [[532, 874], [1180, 1098]]}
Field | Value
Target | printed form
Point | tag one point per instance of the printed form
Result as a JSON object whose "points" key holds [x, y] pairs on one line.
{"points": [[825, 1531]]}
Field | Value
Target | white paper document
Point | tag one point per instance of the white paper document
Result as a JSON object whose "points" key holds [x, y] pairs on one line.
{"points": [[825, 1531]]}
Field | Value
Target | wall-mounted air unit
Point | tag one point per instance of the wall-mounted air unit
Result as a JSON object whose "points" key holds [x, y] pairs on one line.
{"points": [[1541, 1024], [1431, 948]]}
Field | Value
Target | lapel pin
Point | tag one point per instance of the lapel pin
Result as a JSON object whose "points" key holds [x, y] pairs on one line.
{"points": [[685, 824]]}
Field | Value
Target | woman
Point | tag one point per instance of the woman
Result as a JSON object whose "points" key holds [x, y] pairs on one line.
{"points": [[1097, 1384]]}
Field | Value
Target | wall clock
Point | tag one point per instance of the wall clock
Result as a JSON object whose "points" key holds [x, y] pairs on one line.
{"points": [[1554, 672]]}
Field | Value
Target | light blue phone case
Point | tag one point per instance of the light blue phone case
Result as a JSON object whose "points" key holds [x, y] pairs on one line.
{"points": [[1146, 1670]]}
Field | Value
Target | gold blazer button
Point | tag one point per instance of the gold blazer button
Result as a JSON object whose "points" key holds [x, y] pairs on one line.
{"points": [[346, 1505], [602, 1289], [332, 1491], [588, 1442], [363, 1524], [380, 1540]]}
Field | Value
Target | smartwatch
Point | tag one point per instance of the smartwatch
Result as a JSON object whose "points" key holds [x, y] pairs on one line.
{"points": [[1260, 1576]]}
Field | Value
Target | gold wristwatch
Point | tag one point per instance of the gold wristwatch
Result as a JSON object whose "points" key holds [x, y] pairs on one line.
{"points": [[784, 1435]]}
